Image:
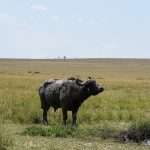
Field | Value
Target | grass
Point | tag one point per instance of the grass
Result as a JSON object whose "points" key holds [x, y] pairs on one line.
{"points": [[29, 142], [83, 132], [117, 104], [54, 131], [124, 101], [5, 140]]}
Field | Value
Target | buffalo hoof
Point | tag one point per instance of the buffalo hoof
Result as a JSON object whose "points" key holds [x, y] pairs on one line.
{"points": [[37, 120], [74, 126], [64, 125], [45, 122]]}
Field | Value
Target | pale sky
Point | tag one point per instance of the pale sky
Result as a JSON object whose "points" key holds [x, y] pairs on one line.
{"points": [[75, 28]]}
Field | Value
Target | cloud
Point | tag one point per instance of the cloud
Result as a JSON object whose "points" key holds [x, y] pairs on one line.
{"points": [[39, 7], [55, 18], [92, 21], [80, 20], [5, 16]]}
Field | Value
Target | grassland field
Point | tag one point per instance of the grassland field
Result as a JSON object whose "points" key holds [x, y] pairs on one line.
{"points": [[126, 99]]}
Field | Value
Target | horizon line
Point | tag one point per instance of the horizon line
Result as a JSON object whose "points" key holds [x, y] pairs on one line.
{"points": [[71, 58]]}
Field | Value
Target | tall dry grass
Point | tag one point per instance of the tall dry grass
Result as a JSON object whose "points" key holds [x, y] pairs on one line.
{"points": [[125, 99]]}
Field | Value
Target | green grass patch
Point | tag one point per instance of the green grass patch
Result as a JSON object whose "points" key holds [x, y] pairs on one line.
{"points": [[55, 131], [83, 132]]}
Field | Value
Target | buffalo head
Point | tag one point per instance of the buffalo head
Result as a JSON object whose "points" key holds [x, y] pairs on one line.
{"points": [[92, 87]]}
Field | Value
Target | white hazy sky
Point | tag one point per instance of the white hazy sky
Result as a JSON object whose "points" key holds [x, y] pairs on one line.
{"points": [[75, 28]]}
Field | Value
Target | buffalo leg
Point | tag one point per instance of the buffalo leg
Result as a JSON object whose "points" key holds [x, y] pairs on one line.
{"points": [[45, 121], [64, 111], [74, 118]]}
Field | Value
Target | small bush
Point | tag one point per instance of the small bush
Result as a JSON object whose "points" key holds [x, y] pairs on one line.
{"points": [[138, 131]]}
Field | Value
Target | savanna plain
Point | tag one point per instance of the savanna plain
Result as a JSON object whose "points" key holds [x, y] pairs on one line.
{"points": [[126, 100]]}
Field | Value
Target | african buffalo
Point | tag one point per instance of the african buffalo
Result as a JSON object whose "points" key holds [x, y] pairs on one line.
{"points": [[67, 94]]}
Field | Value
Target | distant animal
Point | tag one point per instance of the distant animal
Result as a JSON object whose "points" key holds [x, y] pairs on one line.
{"points": [[36, 72], [67, 94]]}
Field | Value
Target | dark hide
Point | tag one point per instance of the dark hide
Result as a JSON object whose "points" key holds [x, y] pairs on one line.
{"points": [[67, 94]]}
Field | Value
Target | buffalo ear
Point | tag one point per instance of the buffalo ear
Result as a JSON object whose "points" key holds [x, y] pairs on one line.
{"points": [[90, 82], [89, 78], [79, 81]]}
